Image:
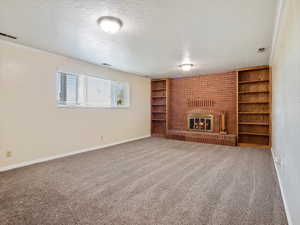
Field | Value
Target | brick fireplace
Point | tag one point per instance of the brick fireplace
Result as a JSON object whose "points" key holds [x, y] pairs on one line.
{"points": [[203, 109]]}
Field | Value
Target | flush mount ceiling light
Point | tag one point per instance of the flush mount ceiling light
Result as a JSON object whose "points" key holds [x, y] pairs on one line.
{"points": [[110, 24], [186, 67]]}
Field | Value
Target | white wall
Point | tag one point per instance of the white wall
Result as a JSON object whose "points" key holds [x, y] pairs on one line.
{"points": [[286, 106], [33, 127]]}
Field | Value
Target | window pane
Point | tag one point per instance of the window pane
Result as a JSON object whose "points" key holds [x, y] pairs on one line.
{"points": [[120, 94], [71, 89], [90, 91], [81, 90], [98, 92], [68, 89]]}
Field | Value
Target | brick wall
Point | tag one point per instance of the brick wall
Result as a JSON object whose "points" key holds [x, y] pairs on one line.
{"points": [[187, 94]]}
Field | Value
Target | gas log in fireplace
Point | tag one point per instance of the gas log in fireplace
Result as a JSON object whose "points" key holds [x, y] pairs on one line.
{"points": [[200, 122]]}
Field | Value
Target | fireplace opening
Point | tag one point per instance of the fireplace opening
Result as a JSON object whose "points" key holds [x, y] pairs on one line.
{"points": [[199, 122]]}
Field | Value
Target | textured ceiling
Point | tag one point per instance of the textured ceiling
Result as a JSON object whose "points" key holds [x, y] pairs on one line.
{"points": [[157, 36]]}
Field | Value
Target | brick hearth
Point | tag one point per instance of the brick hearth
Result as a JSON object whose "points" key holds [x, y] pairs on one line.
{"points": [[205, 137]]}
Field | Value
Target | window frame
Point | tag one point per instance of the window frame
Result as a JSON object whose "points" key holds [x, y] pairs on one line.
{"points": [[59, 103]]}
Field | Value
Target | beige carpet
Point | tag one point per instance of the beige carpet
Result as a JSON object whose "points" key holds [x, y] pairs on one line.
{"points": [[151, 181]]}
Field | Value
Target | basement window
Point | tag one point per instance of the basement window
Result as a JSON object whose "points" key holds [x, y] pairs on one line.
{"points": [[88, 91]]}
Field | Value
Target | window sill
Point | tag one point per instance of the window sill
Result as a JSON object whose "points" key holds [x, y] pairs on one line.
{"points": [[92, 107]]}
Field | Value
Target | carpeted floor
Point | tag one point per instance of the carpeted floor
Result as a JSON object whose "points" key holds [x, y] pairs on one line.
{"points": [[151, 182]]}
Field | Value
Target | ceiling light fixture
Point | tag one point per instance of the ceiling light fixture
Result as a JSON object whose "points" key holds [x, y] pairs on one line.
{"points": [[110, 24], [186, 67]]}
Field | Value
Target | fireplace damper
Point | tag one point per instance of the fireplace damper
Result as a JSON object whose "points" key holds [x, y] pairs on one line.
{"points": [[200, 122]]}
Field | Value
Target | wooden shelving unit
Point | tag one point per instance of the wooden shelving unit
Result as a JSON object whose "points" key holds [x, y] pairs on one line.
{"points": [[159, 89], [255, 134], [158, 112], [252, 92], [158, 104], [254, 102], [159, 107], [252, 81], [159, 97], [254, 123], [254, 106], [258, 113]]}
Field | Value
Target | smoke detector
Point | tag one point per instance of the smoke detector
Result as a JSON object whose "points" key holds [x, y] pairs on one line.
{"points": [[106, 64], [261, 50]]}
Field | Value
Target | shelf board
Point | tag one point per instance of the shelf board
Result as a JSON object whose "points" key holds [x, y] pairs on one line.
{"points": [[257, 102], [159, 104], [158, 80], [158, 96], [158, 119], [254, 123], [250, 133], [158, 135], [244, 144], [252, 81], [252, 92], [158, 112], [159, 89], [258, 113], [252, 68]]}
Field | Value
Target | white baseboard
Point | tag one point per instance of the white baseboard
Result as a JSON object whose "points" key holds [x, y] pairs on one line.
{"points": [[18, 165], [288, 215]]}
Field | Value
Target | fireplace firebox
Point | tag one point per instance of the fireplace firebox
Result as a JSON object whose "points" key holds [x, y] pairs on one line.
{"points": [[200, 122]]}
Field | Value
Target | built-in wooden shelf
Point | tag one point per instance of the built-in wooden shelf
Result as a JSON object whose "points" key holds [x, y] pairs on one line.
{"points": [[158, 135], [253, 145], [258, 113], [252, 92], [159, 119], [256, 134], [263, 67], [159, 107], [158, 112], [254, 123], [158, 96], [158, 104], [159, 89], [254, 102], [254, 106], [252, 81]]}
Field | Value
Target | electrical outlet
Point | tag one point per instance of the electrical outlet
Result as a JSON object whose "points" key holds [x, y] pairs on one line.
{"points": [[8, 154], [101, 138]]}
